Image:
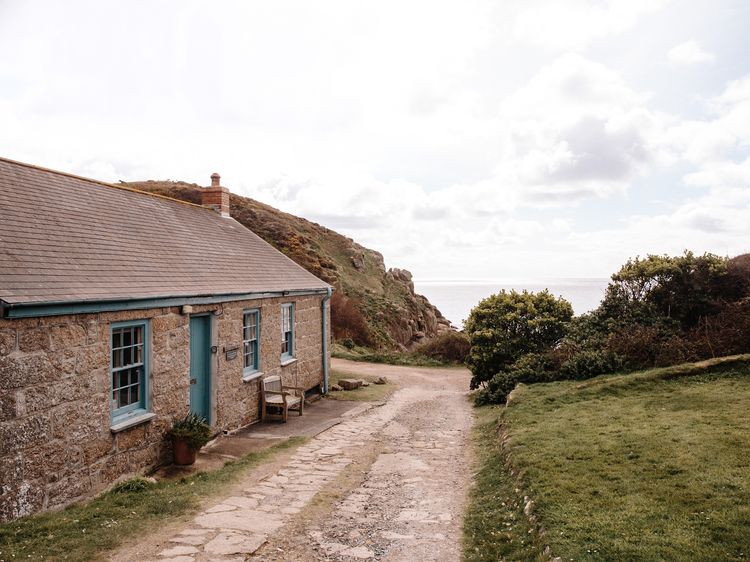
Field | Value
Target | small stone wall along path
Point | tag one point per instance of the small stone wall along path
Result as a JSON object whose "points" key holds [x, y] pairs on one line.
{"points": [[394, 481]]}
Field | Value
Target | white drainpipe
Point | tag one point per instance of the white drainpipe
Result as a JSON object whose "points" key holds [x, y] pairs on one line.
{"points": [[323, 306]]}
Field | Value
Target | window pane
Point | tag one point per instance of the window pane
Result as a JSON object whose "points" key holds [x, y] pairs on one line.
{"points": [[127, 337], [134, 394], [117, 358], [127, 356], [116, 338], [138, 356], [138, 334]]}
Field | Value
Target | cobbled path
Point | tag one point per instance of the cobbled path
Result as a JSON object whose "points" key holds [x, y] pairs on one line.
{"points": [[407, 506]]}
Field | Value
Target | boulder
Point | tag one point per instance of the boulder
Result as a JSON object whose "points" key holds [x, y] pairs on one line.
{"points": [[350, 384], [334, 388], [380, 380]]}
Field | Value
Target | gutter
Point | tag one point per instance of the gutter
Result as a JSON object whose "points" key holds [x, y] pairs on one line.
{"points": [[37, 309], [324, 336]]}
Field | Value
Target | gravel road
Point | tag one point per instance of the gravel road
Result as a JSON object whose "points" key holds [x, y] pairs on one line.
{"points": [[403, 496], [389, 483]]}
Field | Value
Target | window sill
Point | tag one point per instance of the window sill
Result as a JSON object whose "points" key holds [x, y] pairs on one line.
{"points": [[255, 375], [138, 419], [289, 361]]}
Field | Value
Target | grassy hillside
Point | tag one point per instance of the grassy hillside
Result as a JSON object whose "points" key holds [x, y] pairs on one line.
{"points": [[382, 301], [647, 466]]}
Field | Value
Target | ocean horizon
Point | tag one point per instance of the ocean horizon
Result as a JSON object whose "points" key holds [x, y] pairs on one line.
{"points": [[456, 298]]}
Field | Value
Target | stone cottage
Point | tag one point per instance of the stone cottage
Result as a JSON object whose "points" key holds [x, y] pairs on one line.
{"points": [[121, 310]]}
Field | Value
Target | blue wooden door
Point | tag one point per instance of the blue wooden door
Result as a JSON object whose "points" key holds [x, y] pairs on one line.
{"points": [[200, 366]]}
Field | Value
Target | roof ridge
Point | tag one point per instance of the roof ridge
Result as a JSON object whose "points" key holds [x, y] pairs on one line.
{"points": [[100, 182]]}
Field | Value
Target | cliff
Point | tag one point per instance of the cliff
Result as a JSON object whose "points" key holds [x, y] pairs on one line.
{"points": [[382, 303]]}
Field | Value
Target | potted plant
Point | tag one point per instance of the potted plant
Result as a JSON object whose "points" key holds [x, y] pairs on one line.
{"points": [[188, 434]]}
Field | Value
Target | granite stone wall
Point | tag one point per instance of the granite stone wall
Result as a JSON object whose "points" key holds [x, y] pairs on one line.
{"points": [[56, 442]]}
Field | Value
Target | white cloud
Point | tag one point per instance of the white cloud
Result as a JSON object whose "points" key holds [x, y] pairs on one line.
{"points": [[689, 52], [429, 131], [573, 24]]}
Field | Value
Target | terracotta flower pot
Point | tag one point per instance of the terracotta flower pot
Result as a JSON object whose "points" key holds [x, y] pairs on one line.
{"points": [[183, 454]]}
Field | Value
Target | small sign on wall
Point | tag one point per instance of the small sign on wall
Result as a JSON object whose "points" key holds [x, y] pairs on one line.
{"points": [[230, 353]]}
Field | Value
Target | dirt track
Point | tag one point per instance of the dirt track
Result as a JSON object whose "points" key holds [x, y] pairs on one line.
{"points": [[404, 496], [388, 484]]}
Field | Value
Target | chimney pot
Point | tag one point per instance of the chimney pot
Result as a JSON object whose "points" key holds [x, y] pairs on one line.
{"points": [[216, 196]]}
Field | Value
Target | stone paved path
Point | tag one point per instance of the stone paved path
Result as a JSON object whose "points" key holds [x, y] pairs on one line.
{"points": [[406, 505]]}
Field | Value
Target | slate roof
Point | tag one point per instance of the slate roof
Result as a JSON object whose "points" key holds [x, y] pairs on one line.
{"points": [[69, 239]]}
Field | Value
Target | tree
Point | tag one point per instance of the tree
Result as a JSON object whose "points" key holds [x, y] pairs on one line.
{"points": [[681, 288], [505, 326]]}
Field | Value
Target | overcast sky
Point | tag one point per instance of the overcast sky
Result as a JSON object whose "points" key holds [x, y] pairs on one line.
{"points": [[463, 140]]}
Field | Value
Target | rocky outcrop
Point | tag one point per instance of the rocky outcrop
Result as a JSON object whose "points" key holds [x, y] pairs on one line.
{"points": [[395, 315]]}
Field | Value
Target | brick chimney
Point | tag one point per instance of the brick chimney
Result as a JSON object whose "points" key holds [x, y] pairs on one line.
{"points": [[216, 196]]}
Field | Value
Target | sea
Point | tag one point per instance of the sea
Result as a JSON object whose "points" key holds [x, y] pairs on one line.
{"points": [[456, 298]]}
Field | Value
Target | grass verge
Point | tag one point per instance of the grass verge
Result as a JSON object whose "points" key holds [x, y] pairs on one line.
{"points": [[647, 466], [495, 527], [372, 393], [86, 531]]}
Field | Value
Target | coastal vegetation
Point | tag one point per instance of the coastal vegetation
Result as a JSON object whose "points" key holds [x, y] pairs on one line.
{"points": [[663, 449], [656, 311], [447, 349]]}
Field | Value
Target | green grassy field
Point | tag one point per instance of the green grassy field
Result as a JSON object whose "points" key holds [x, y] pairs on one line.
{"points": [[647, 466]]}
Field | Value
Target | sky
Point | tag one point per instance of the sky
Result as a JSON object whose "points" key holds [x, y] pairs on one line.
{"points": [[464, 140]]}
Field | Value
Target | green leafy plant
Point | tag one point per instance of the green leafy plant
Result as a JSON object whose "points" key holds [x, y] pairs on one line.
{"points": [[504, 327], [193, 429], [450, 347], [134, 485]]}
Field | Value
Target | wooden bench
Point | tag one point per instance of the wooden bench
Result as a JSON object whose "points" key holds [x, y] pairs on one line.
{"points": [[277, 396]]}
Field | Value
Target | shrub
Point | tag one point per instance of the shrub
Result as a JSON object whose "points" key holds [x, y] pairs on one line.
{"points": [[726, 333], [642, 346], [508, 325], [193, 429], [347, 321], [497, 389], [588, 364], [449, 347]]}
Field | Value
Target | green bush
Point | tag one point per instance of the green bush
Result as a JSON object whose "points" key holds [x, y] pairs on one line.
{"points": [[588, 364], [450, 347], [504, 327], [497, 389], [193, 429]]}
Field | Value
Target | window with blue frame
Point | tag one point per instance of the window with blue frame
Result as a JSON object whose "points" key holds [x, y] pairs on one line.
{"points": [[129, 368], [287, 331], [251, 341]]}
